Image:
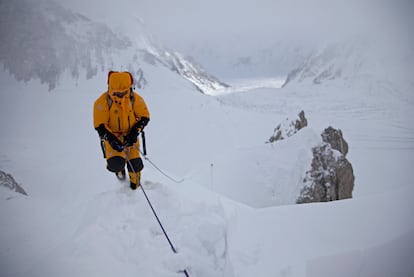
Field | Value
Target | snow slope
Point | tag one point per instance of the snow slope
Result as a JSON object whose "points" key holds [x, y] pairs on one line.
{"points": [[233, 214], [344, 238], [79, 220]]}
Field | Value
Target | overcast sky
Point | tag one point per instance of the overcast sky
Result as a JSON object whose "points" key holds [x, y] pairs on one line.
{"points": [[238, 24]]}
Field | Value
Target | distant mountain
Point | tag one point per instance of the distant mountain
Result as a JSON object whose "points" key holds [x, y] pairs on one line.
{"points": [[267, 60], [331, 62], [367, 58], [184, 66], [43, 40]]}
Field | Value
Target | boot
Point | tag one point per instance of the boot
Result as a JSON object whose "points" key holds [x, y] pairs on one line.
{"points": [[121, 175], [134, 180]]}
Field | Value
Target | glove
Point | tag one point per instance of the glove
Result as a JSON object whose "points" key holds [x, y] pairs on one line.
{"points": [[111, 138], [132, 136], [101, 131], [142, 123], [115, 143]]}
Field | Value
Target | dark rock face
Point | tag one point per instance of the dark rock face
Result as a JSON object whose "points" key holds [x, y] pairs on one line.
{"points": [[289, 128], [335, 139], [6, 180], [331, 175]]}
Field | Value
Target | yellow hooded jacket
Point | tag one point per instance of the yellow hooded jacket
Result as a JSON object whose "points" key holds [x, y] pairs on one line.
{"points": [[119, 114]]}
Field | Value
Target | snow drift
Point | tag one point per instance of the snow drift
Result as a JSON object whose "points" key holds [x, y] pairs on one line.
{"points": [[79, 220]]}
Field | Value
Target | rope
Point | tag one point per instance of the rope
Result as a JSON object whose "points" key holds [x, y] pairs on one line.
{"points": [[155, 214], [144, 154], [162, 172]]}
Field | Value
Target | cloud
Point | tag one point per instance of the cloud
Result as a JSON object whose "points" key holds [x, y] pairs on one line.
{"points": [[236, 24]]}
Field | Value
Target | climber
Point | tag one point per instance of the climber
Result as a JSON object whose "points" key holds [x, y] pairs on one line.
{"points": [[119, 115]]}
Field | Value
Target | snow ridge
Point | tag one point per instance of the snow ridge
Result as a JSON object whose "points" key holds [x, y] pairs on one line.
{"points": [[52, 40], [42, 40], [186, 67]]}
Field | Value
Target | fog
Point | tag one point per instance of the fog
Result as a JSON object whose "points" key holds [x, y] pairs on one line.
{"points": [[216, 32], [181, 23]]}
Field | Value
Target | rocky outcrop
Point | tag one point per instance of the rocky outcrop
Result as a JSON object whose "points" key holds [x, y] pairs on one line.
{"points": [[288, 128], [7, 180], [335, 139], [331, 175]]}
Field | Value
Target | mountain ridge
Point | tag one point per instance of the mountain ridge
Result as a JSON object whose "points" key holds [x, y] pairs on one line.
{"points": [[52, 40]]}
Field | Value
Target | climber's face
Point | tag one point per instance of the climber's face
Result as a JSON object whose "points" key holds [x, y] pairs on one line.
{"points": [[119, 94], [119, 84]]}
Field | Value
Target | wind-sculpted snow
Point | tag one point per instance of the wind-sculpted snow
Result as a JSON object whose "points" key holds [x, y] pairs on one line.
{"points": [[79, 220], [117, 230]]}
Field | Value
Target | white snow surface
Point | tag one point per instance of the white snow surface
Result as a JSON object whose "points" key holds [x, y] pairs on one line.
{"points": [[234, 212]]}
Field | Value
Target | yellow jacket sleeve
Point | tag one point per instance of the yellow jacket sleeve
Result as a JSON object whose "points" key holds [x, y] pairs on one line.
{"points": [[140, 107], [101, 111]]}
